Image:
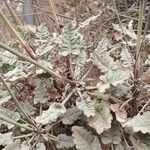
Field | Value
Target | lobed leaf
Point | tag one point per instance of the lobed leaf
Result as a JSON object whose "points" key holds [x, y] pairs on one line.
{"points": [[102, 119], [65, 141], [86, 105], [51, 115], [71, 115], [84, 140]]}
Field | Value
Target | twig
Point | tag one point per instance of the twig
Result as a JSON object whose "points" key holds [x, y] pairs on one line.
{"points": [[6, 119], [54, 11], [144, 107], [23, 136], [137, 64], [15, 33], [68, 97], [117, 13], [45, 68], [16, 101], [13, 14]]}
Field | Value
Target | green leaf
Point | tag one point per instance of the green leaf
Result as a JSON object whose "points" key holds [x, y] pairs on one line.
{"points": [[127, 30], [70, 41], [71, 115], [140, 123], [15, 116], [15, 74], [139, 145], [119, 147], [126, 58], [112, 78], [4, 96], [86, 105], [25, 146], [102, 119], [51, 115], [113, 135], [28, 108], [40, 146], [88, 21], [41, 90], [84, 140], [13, 146], [6, 138], [42, 32], [8, 58], [65, 141]]}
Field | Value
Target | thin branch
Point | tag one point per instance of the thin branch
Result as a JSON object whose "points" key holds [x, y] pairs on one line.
{"points": [[144, 107], [54, 11], [16, 100], [45, 68], [68, 97], [137, 64], [15, 33], [13, 14]]}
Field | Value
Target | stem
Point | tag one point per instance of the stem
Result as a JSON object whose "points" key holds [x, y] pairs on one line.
{"points": [[13, 14], [144, 107], [6, 119], [51, 3], [16, 101], [68, 97], [45, 68], [15, 33], [138, 58]]}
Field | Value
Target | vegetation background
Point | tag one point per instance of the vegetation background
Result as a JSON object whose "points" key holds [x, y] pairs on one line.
{"points": [[75, 74]]}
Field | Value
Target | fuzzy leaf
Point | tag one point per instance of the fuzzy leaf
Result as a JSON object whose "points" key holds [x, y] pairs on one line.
{"points": [[71, 115], [111, 136], [15, 74], [25, 146], [128, 30], [147, 62], [13, 146], [86, 105], [139, 145], [6, 138], [104, 62], [10, 114], [42, 32], [102, 46], [84, 140], [112, 78], [8, 58], [88, 21], [40, 146], [27, 107], [65, 141], [121, 114], [140, 123], [119, 147], [41, 90], [126, 58], [102, 120], [4, 96], [70, 41], [51, 115]]}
